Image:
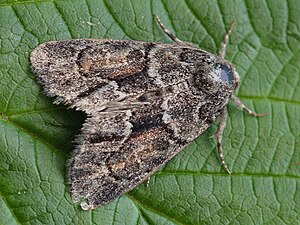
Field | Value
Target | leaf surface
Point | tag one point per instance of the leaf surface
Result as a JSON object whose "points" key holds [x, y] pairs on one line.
{"points": [[263, 153]]}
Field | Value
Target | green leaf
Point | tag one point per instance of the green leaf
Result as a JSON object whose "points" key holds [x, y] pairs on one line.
{"points": [[263, 153]]}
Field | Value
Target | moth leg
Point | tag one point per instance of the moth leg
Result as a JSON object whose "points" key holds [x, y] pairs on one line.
{"points": [[219, 134], [170, 34], [241, 105], [222, 51], [147, 182]]}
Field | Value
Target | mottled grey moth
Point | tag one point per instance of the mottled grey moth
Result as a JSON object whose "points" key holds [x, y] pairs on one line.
{"points": [[145, 102]]}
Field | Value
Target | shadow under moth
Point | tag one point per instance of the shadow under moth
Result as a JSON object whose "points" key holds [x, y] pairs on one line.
{"points": [[145, 102]]}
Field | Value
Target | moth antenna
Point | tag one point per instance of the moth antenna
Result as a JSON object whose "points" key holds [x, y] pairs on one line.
{"points": [[222, 51]]}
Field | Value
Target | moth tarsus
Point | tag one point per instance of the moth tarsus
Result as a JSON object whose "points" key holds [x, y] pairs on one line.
{"points": [[145, 102], [170, 34], [241, 105]]}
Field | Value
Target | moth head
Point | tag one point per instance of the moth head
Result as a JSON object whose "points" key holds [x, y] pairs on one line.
{"points": [[216, 76], [227, 74]]}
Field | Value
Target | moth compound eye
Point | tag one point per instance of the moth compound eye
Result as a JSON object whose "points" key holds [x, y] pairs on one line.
{"points": [[225, 73]]}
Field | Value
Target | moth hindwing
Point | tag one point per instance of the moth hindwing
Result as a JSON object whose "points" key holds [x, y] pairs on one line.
{"points": [[145, 102]]}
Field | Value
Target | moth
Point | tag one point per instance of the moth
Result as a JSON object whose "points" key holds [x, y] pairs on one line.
{"points": [[145, 102]]}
